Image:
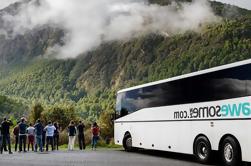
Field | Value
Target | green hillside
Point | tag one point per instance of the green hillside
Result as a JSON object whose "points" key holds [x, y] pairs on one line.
{"points": [[11, 108], [90, 82]]}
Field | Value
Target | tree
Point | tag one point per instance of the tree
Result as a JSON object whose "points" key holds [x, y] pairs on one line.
{"points": [[106, 124], [36, 112], [61, 114]]}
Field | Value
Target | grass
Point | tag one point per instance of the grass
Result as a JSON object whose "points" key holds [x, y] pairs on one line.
{"points": [[99, 146]]}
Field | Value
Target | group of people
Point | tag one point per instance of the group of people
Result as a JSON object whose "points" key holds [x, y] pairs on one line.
{"points": [[39, 136], [73, 130]]}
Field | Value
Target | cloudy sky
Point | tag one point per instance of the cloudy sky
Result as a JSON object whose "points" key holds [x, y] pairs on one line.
{"points": [[241, 3]]}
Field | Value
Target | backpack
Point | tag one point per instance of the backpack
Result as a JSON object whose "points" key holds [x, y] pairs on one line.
{"points": [[72, 130], [16, 131], [95, 131], [22, 128]]}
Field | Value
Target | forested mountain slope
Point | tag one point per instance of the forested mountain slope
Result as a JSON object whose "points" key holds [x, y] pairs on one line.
{"points": [[91, 80]]}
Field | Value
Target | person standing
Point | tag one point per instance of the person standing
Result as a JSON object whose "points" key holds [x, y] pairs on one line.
{"points": [[72, 135], [43, 138], [6, 134], [81, 135], [31, 137], [22, 135], [38, 134], [56, 136], [16, 134], [1, 139], [50, 129], [95, 135]]}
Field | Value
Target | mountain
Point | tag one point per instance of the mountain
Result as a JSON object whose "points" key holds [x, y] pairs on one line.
{"points": [[31, 44], [90, 81]]}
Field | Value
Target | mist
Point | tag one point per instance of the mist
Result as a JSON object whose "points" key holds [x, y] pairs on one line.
{"points": [[5, 3], [89, 23]]}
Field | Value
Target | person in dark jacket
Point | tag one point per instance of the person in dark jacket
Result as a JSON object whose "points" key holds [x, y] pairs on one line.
{"points": [[22, 135], [72, 135], [6, 134], [39, 134], [1, 139], [16, 134], [43, 137], [56, 136], [81, 135]]}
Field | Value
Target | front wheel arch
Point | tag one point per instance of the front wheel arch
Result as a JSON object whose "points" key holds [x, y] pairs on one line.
{"points": [[127, 142]]}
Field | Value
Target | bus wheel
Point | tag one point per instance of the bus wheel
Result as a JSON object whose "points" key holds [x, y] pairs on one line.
{"points": [[230, 152], [127, 143], [202, 149]]}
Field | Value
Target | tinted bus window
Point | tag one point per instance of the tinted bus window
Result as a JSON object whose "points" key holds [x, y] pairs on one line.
{"points": [[219, 85], [231, 83]]}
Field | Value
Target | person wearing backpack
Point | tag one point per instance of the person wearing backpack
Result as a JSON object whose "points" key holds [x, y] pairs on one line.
{"points": [[16, 134], [95, 135], [72, 135], [22, 135]]}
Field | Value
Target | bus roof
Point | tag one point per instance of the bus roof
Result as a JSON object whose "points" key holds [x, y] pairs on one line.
{"points": [[189, 75]]}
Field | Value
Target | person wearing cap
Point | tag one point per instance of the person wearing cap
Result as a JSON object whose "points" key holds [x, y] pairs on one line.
{"points": [[6, 134]]}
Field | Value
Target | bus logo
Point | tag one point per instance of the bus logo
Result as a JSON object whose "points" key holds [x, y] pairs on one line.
{"points": [[228, 110]]}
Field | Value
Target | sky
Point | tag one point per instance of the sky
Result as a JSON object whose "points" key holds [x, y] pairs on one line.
{"points": [[241, 3]]}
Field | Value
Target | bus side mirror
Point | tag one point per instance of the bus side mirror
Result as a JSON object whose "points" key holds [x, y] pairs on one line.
{"points": [[113, 117]]}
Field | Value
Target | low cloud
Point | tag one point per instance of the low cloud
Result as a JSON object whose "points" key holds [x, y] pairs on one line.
{"points": [[5, 3], [89, 23]]}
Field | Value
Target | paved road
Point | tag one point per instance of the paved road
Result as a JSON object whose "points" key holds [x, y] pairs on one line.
{"points": [[97, 158]]}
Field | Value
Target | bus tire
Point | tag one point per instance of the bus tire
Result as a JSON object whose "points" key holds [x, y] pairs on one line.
{"points": [[230, 152], [127, 143], [202, 149]]}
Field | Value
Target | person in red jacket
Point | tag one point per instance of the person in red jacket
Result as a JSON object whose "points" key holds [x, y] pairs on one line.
{"points": [[95, 135]]}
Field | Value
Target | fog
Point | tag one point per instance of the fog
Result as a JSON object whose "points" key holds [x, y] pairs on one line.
{"points": [[5, 3], [89, 23]]}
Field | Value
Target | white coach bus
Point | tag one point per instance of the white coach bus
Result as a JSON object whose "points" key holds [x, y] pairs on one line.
{"points": [[196, 113]]}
